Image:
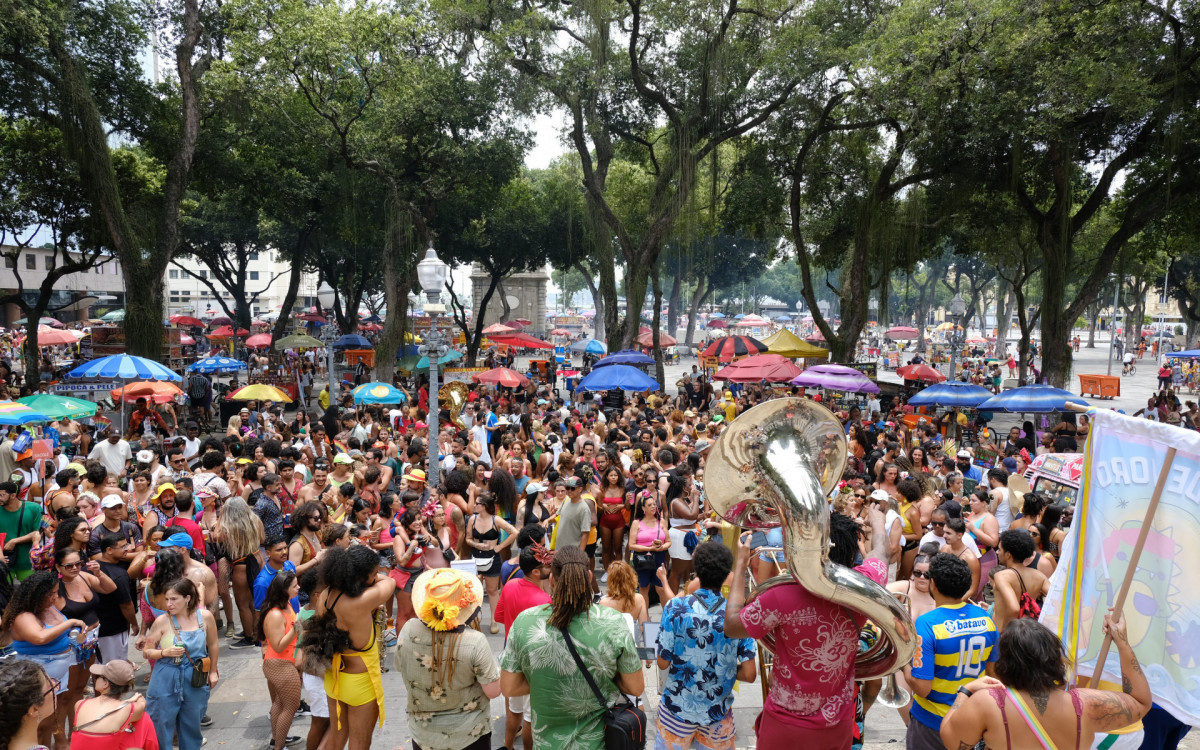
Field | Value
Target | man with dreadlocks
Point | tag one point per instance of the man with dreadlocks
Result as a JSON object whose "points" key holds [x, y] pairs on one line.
{"points": [[811, 701], [563, 707], [518, 595]]}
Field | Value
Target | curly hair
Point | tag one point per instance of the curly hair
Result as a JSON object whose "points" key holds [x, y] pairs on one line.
{"points": [[622, 583], [712, 562], [1031, 657], [349, 570], [1018, 543], [843, 533], [332, 533], [30, 597], [457, 483], [66, 529], [950, 574], [21, 686]]}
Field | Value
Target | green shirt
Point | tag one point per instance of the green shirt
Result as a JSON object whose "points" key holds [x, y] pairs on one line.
{"points": [[446, 716], [26, 519], [565, 711]]}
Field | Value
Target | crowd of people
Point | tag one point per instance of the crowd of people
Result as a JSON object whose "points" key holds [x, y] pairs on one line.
{"points": [[322, 542]]}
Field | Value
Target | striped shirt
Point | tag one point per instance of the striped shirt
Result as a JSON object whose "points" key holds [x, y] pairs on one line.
{"points": [[954, 643]]}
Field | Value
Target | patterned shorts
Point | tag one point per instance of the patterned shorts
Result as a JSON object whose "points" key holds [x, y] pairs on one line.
{"points": [[672, 733]]}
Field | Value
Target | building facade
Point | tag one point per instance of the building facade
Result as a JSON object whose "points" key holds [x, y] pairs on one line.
{"points": [[528, 293], [77, 296], [188, 295]]}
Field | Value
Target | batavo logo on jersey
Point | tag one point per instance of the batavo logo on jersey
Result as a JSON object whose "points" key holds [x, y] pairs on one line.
{"points": [[971, 625]]}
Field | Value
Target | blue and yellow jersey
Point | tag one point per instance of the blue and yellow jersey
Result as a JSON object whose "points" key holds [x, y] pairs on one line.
{"points": [[954, 643]]}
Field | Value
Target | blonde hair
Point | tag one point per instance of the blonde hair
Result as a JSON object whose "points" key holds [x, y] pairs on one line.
{"points": [[240, 528], [235, 422], [622, 583]]}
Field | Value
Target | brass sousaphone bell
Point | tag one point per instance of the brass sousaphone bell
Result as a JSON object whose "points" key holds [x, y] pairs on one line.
{"points": [[775, 465]]}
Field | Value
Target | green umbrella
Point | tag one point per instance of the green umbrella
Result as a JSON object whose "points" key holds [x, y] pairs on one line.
{"points": [[299, 341], [59, 407], [413, 363], [449, 356], [116, 316]]}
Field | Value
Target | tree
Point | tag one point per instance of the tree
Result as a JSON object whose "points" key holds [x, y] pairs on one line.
{"points": [[76, 67], [660, 83], [41, 201], [1070, 108]]}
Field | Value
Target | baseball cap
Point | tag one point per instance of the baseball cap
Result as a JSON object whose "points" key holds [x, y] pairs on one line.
{"points": [[145, 456], [963, 454], [689, 413], [534, 487], [880, 495], [1010, 464], [342, 458], [179, 539], [572, 482], [118, 671], [112, 501]]}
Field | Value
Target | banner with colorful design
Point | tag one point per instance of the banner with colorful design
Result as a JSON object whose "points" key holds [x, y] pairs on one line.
{"points": [[1122, 461]]}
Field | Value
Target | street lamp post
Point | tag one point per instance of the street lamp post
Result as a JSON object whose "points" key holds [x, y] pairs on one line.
{"points": [[325, 298], [432, 273], [958, 310]]}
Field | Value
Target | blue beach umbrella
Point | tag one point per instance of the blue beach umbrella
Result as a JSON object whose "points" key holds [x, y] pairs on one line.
{"points": [[123, 367], [625, 357], [952, 393], [352, 341], [1031, 399], [216, 364], [617, 377], [378, 393]]}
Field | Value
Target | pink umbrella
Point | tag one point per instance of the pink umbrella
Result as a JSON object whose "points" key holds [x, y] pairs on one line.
{"points": [[718, 323], [259, 341], [186, 340], [773, 368]]}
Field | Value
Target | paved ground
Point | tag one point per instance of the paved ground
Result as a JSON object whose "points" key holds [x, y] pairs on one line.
{"points": [[239, 705]]}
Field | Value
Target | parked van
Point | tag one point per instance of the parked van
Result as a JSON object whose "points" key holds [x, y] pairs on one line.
{"points": [[1056, 475]]}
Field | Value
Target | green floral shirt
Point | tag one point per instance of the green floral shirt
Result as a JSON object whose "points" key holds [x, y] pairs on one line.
{"points": [[565, 711], [446, 716]]}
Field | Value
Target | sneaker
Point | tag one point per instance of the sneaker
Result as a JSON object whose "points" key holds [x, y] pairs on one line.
{"points": [[292, 739], [390, 637], [206, 721], [243, 643], [304, 710], [229, 629], [495, 628]]}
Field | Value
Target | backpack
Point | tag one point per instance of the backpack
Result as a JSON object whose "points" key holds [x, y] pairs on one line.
{"points": [[197, 387]]}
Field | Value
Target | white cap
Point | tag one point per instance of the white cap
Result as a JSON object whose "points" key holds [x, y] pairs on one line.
{"points": [[964, 454], [145, 456], [880, 495], [112, 501], [533, 487]]}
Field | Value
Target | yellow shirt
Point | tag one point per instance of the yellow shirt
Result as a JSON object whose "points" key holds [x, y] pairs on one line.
{"points": [[323, 399]]}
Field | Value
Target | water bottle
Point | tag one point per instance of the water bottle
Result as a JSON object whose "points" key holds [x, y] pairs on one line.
{"points": [[74, 636]]}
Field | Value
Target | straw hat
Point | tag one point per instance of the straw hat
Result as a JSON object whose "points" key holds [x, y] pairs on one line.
{"points": [[1017, 489], [445, 598]]}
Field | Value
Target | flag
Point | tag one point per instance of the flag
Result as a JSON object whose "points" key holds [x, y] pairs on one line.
{"points": [[1122, 461]]}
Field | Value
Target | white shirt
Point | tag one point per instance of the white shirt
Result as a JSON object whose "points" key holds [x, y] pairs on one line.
{"points": [[479, 434], [190, 448], [968, 542], [1003, 513], [113, 457]]}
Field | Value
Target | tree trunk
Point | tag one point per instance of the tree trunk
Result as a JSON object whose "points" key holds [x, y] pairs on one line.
{"points": [[289, 300], [597, 300], [673, 302], [1056, 328], [32, 352], [1004, 296], [626, 332], [702, 292], [655, 330], [399, 249], [143, 309], [1093, 323]]}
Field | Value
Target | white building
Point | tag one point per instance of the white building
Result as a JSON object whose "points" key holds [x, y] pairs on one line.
{"points": [[266, 273], [77, 296]]}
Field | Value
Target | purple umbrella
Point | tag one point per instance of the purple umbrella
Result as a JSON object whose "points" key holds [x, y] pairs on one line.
{"points": [[835, 378]]}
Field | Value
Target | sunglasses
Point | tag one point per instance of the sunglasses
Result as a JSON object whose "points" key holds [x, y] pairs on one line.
{"points": [[939, 524], [71, 566], [920, 574]]}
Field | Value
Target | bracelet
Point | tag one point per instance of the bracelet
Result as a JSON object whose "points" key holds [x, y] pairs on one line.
{"points": [[963, 691]]}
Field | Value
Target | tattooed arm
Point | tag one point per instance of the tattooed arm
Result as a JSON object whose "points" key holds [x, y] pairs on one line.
{"points": [[1106, 710]]}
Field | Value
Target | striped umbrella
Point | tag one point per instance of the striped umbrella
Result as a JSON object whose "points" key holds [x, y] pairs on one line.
{"points": [[13, 413], [123, 367], [730, 347]]}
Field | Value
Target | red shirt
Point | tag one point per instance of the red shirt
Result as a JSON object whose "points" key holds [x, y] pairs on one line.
{"points": [[517, 596], [193, 530], [812, 682]]}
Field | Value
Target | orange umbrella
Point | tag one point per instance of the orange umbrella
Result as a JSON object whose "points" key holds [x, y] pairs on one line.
{"points": [[160, 392]]}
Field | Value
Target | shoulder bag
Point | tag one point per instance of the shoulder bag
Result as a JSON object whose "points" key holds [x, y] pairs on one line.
{"points": [[201, 667], [624, 724]]}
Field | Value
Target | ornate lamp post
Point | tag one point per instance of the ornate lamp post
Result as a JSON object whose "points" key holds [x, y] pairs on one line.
{"points": [[958, 310], [326, 296], [432, 273]]}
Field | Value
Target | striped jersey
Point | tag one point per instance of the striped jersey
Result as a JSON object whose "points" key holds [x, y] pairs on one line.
{"points": [[954, 643]]}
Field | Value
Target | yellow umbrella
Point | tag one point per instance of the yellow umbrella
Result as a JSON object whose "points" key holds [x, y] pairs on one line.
{"points": [[947, 327], [260, 392], [788, 344]]}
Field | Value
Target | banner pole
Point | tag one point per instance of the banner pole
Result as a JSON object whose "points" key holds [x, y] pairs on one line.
{"points": [[1143, 532]]}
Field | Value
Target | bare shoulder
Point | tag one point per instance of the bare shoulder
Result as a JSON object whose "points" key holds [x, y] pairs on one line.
{"points": [[1108, 710]]}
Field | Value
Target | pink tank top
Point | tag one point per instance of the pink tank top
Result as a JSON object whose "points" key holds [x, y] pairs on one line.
{"points": [[645, 539]]}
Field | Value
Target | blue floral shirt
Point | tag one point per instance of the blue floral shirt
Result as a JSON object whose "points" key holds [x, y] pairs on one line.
{"points": [[703, 662]]}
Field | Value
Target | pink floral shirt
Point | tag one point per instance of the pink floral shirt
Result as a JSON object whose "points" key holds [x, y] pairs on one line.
{"points": [[812, 682]]}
